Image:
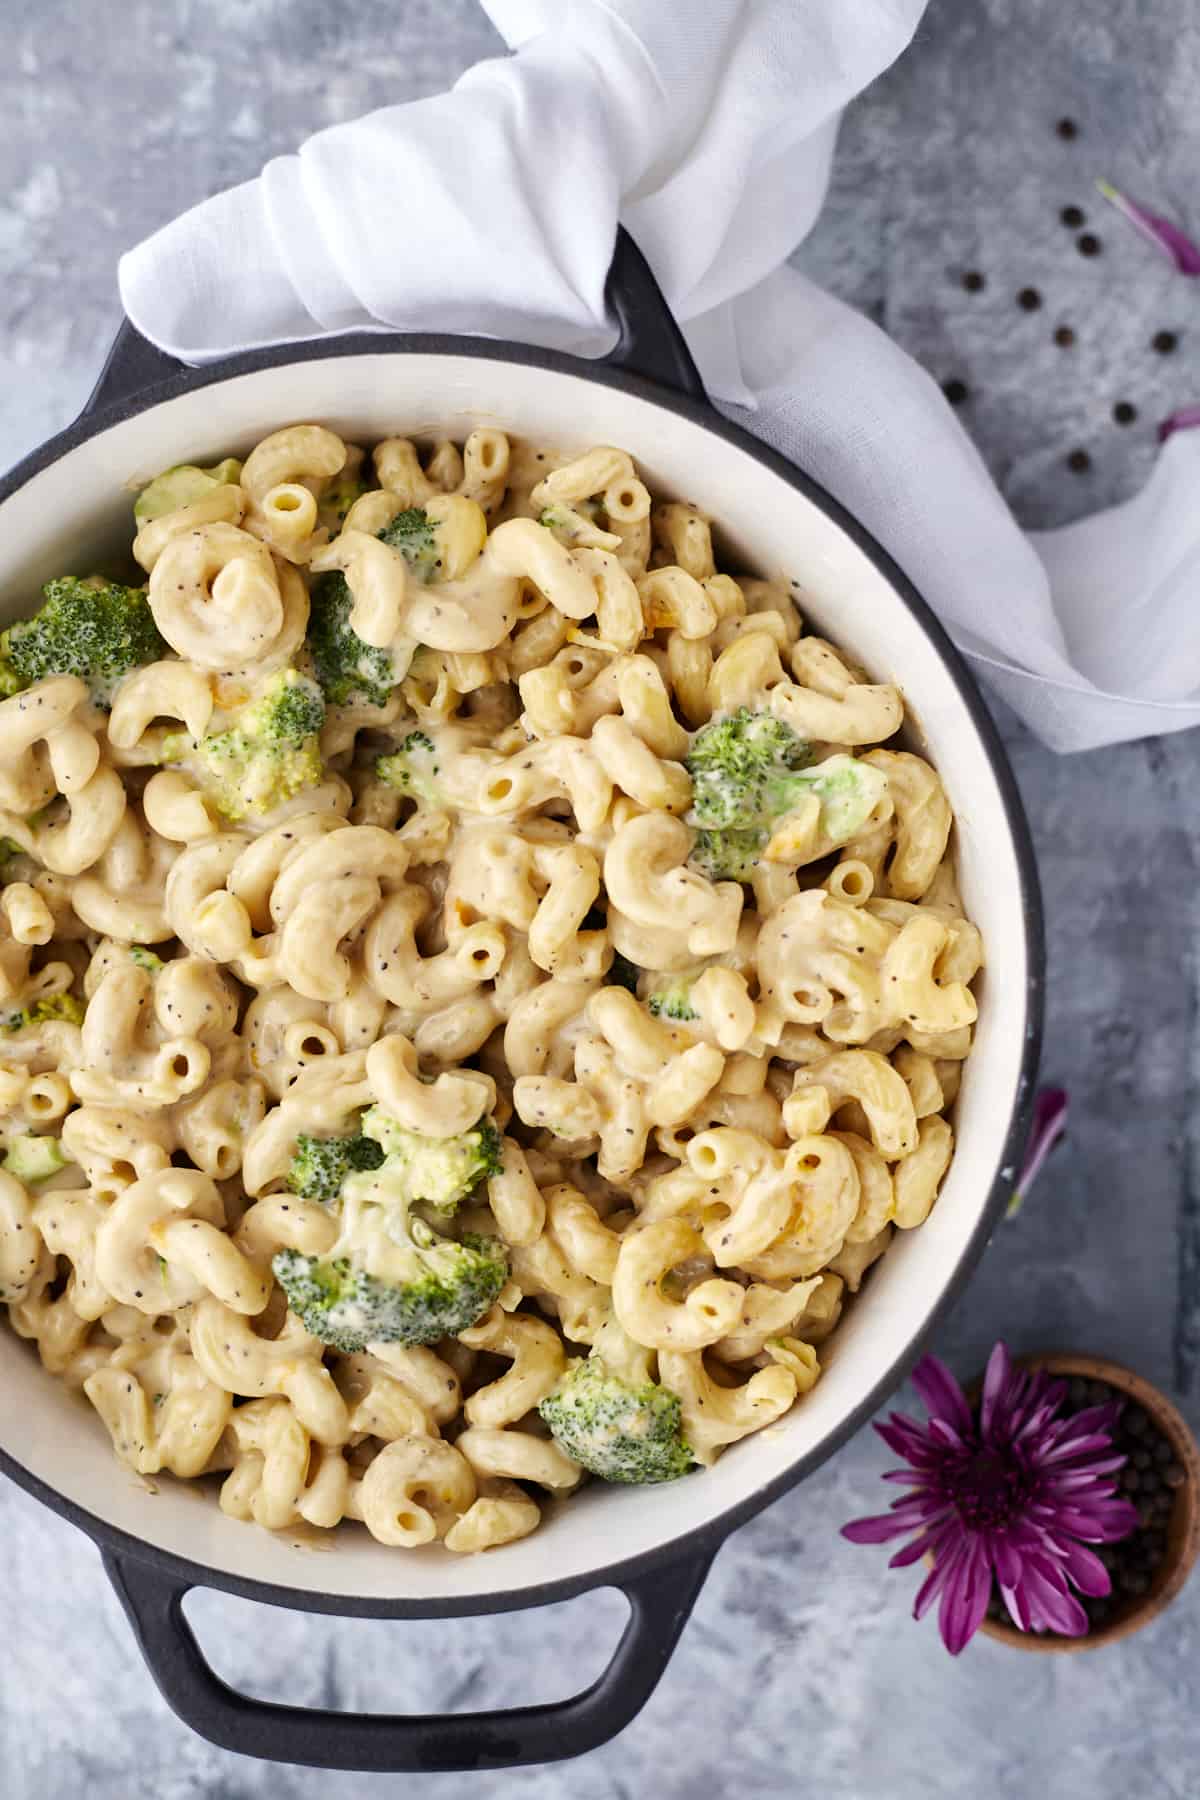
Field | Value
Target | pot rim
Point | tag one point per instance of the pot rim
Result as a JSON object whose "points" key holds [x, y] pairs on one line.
{"points": [[102, 415]]}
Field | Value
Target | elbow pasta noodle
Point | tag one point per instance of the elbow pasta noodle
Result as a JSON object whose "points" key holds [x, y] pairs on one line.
{"points": [[716, 1100]]}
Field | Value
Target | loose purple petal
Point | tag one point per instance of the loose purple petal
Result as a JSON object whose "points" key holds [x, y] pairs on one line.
{"points": [[941, 1395], [1049, 1123], [1186, 419], [1161, 232]]}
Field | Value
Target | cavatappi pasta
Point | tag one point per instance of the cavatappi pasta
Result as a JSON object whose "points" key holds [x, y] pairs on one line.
{"points": [[477, 993]]}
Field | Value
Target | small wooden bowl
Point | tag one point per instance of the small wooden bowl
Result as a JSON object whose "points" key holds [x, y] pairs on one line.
{"points": [[1183, 1527]]}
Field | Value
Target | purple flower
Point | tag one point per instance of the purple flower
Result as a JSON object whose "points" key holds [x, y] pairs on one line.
{"points": [[1168, 237], [1010, 1495], [1049, 1124]]}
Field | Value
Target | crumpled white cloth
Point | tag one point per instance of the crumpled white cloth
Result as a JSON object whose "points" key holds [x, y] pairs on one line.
{"points": [[708, 128]]}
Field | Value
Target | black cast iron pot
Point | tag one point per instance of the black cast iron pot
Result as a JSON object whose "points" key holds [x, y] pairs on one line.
{"points": [[67, 505]]}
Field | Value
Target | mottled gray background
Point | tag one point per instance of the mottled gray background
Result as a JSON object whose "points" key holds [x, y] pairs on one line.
{"points": [[800, 1670]]}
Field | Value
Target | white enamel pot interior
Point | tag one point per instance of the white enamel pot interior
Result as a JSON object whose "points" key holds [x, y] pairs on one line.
{"points": [[70, 506]]}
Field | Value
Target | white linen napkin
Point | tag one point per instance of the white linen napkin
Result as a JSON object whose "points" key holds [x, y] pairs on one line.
{"points": [[708, 128]]}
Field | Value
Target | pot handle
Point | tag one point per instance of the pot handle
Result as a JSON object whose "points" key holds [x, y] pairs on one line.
{"points": [[649, 342], [660, 1603]]}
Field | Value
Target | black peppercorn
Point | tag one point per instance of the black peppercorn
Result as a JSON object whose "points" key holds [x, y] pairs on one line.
{"points": [[1164, 342], [1029, 299], [1173, 1475], [956, 392], [1088, 244], [1079, 461], [1124, 412], [1076, 1393], [1073, 216], [973, 281], [1064, 337], [1067, 128], [1140, 1459]]}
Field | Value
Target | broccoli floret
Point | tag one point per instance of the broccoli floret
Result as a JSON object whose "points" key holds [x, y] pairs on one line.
{"points": [[180, 486], [442, 1288], [414, 535], [749, 771], [849, 791], [346, 668], [414, 768], [145, 959], [95, 629], [623, 973], [321, 1165], [743, 770], [339, 497], [268, 755], [619, 1429], [439, 1171], [729, 855], [55, 1006], [672, 1000], [33, 1159]]}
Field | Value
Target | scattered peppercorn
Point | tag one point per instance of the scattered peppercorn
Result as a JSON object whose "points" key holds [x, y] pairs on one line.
{"points": [[1073, 216], [1064, 337], [1079, 462], [1067, 128], [1029, 299], [956, 392], [1164, 342], [1088, 244], [1124, 412], [973, 281]]}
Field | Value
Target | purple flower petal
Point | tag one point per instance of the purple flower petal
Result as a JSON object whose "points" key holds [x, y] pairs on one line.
{"points": [[965, 1599], [879, 1530], [1049, 1123], [997, 1378], [935, 1581], [928, 1541], [1086, 1571], [1161, 232], [1186, 419], [941, 1395]]}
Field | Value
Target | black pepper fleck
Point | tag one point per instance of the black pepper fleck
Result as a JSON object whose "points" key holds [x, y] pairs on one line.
{"points": [[1067, 128], [1124, 412], [1088, 244], [1073, 216], [1029, 299], [1064, 337], [973, 281], [1164, 342], [956, 391], [1079, 461]]}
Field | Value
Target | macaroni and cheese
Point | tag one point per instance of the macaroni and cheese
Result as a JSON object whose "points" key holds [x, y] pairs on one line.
{"points": [[476, 991]]}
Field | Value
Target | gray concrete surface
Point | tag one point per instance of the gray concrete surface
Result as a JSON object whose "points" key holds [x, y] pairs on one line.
{"points": [[800, 1670]]}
